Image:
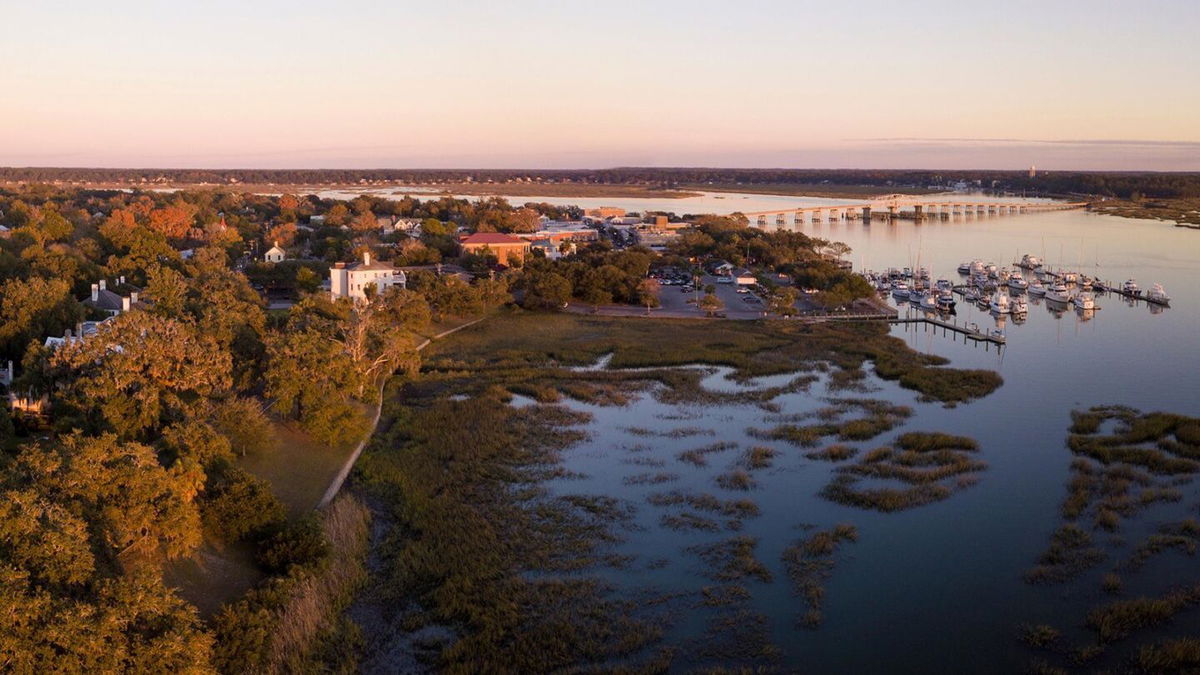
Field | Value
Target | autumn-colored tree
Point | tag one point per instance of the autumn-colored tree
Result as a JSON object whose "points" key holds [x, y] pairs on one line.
{"points": [[33, 308], [173, 221], [711, 304], [139, 372], [783, 301], [648, 290]]}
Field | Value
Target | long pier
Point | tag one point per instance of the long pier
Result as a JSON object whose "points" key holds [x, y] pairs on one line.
{"points": [[970, 333], [892, 207]]}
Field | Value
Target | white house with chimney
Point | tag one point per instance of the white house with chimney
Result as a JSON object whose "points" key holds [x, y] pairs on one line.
{"points": [[106, 300], [275, 254], [350, 280]]}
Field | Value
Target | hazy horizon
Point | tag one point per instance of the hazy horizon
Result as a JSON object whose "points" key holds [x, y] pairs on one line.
{"points": [[1074, 85]]}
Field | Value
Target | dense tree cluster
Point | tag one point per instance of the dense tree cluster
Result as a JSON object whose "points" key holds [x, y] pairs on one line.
{"points": [[1102, 183], [136, 463]]}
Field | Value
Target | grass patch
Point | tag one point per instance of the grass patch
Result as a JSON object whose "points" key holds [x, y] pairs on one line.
{"points": [[930, 466], [732, 559], [1070, 553], [838, 452], [736, 480], [699, 456], [758, 457], [1117, 620], [809, 562]]}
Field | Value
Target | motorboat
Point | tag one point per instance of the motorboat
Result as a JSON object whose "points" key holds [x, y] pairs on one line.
{"points": [[1018, 306], [923, 274], [929, 302], [1058, 292], [1030, 262], [1017, 282], [976, 267], [1158, 295], [917, 295], [964, 268], [944, 285], [1084, 300], [1000, 303], [971, 294], [1036, 288], [1068, 277], [1130, 287], [992, 271], [899, 289], [945, 301]]}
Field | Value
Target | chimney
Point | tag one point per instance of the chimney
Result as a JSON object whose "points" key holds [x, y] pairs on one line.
{"points": [[96, 292], [339, 266], [122, 279], [67, 334], [103, 284], [124, 304], [133, 298], [79, 328], [366, 257]]}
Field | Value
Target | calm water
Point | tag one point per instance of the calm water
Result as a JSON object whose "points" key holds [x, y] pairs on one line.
{"points": [[939, 588]]}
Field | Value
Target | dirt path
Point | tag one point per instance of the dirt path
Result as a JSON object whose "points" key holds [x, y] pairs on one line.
{"points": [[344, 472]]}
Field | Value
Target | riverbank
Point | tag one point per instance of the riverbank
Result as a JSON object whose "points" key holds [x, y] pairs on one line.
{"points": [[824, 190], [1181, 212]]}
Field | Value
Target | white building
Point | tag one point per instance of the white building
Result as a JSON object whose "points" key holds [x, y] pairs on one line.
{"points": [[350, 280], [275, 254]]}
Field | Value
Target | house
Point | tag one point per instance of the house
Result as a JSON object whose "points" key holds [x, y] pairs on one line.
{"points": [[5, 232], [605, 212], [351, 280], [275, 254], [559, 231], [720, 267], [505, 247], [744, 277], [106, 300]]}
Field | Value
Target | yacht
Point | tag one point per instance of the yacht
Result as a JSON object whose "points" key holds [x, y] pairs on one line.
{"points": [[1058, 293], [899, 289], [1130, 287], [945, 301], [923, 274], [992, 270], [944, 285], [1017, 282], [930, 302], [1158, 295], [1084, 300], [1069, 277], [971, 294], [976, 267], [1036, 288], [999, 303], [917, 295], [1030, 262], [1018, 306], [964, 268]]}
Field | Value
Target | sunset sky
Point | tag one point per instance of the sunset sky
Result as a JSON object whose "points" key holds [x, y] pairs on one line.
{"points": [[1095, 84]]}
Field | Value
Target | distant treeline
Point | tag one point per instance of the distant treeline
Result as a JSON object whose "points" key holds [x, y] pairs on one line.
{"points": [[1107, 184]]}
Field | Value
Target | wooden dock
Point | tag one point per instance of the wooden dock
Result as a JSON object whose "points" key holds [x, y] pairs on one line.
{"points": [[970, 331]]}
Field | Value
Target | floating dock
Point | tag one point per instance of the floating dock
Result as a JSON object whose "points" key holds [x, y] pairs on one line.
{"points": [[970, 331]]}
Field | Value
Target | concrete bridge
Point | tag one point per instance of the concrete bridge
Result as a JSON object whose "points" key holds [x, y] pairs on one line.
{"points": [[911, 207]]}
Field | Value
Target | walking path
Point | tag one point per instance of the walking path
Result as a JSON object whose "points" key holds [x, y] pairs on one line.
{"points": [[348, 466]]}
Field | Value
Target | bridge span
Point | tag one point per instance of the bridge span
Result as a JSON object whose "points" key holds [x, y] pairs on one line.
{"points": [[892, 207]]}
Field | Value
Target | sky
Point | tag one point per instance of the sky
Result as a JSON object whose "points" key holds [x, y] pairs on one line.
{"points": [[1061, 84]]}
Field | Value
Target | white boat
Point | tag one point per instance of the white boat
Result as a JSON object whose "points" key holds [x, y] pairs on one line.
{"points": [[1084, 300], [945, 301], [944, 285], [964, 268], [1018, 306], [899, 289], [1036, 288], [1158, 295], [923, 274], [1017, 282], [976, 267], [1130, 287], [1069, 277], [992, 271], [999, 303], [1058, 293], [971, 294], [929, 302], [917, 295], [1030, 262]]}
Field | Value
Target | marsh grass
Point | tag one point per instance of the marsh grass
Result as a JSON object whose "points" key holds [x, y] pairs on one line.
{"points": [[930, 466], [732, 560], [838, 452], [1180, 655], [699, 456], [1117, 620], [689, 521], [758, 457], [1070, 553], [809, 563], [881, 417], [1041, 636], [736, 480], [655, 478]]}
